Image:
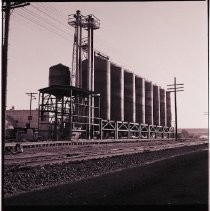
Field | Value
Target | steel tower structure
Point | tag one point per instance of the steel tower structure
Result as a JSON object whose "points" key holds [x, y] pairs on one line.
{"points": [[76, 21], [89, 23]]}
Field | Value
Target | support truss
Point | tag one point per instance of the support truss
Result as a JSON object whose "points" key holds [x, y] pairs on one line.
{"points": [[68, 112]]}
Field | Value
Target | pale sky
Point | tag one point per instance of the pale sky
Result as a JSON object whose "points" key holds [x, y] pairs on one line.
{"points": [[156, 40]]}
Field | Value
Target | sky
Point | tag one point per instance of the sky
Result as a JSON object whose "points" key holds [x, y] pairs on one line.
{"points": [[155, 40]]}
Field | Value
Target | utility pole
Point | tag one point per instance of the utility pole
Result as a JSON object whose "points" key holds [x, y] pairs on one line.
{"points": [[7, 7], [175, 88], [32, 97]]}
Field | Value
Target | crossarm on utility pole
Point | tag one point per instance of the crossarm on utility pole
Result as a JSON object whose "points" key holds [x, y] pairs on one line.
{"points": [[175, 88]]}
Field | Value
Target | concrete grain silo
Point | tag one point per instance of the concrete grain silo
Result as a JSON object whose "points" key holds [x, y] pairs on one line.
{"points": [[162, 107], [156, 105], [117, 93], [148, 103], [126, 96], [102, 85], [168, 108], [140, 99], [129, 97]]}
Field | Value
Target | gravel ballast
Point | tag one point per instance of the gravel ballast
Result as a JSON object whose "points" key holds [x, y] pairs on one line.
{"points": [[18, 179]]}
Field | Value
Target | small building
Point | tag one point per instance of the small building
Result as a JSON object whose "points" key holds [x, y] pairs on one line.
{"points": [[20, 118], [17, 124]]}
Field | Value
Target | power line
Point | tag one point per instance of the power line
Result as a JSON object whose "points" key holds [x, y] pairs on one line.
{"points": [[101, 40], [43, 20], [62, 18], [49, 11], [42, 26], [58, 12], [49, 15], [53, 9]]}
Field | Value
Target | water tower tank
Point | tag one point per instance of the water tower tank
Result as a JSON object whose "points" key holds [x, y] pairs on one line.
{"points": [[59, 75]]}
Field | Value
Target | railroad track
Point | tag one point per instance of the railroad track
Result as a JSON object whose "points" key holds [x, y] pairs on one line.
{"points": [[80, 156], [9, 146], [66, 157]]}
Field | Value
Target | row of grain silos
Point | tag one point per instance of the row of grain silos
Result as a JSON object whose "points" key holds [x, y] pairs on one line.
{"points": [[128, 97]]}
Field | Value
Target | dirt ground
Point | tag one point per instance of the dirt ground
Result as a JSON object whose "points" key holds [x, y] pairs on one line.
{"points": [[81, 162]]}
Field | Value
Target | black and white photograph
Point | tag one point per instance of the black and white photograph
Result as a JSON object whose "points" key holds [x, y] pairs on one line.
{"points": [[105, 104]]}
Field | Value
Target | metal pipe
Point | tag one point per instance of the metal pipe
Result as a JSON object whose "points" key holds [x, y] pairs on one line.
{"points": [[89, 61], [176, 134], [77, 56], [70, 115], [134, 99], [92, 61], [143, 101], [78, 50], [62, 108], [92, 85], [38, 112], [56, 119], [122, 94], [158, 105], [89, 116], [80, 55], [108, 91]]}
